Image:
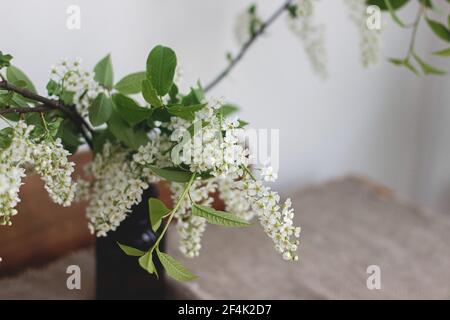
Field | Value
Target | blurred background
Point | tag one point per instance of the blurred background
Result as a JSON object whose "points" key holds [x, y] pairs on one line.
{"points": [[383, 123]]}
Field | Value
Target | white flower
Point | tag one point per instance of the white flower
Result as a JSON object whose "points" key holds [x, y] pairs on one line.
{"points": [[48, 158], [73, 78], [369, 39], [50, 162], [117, 185], [311, 34], [268, 174], [191, 228]]}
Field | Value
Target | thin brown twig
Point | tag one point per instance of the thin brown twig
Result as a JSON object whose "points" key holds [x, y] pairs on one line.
{"points": [[9, 109], [49, 104]]}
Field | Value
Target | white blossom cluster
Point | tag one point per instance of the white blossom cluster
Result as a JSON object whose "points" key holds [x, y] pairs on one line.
{"points": [[47, 157], [51, 163], [311, 34], [276, 220], [215, 147], [12, 171], [218, 150], [117, 184], [369, 41], [119, 179], [73, 78], [190, 228]]}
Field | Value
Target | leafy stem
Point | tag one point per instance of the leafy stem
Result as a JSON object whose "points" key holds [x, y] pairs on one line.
{"points": [[175, 209], [415, 27]]}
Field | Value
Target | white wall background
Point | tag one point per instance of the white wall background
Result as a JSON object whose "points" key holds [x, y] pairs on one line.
{"points": [[384, 123]]}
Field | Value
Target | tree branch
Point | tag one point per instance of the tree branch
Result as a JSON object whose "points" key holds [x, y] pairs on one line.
{"points": [[247, 45], [9, 109], [47, 105]]}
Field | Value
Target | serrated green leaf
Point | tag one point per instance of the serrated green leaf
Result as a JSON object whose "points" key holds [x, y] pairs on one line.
{"points": [[172, 174], [427, 68], [161, 65], [100, 110], [228, 109], [131, 83], [146, 262], [185, 112], [14, 75], [130, 110], [439, 29], [150, 95], [157, 210], [130, 251], [104, 72], [174, 268], [218, 217], [125, 133], [6, 136], [443, 52]]}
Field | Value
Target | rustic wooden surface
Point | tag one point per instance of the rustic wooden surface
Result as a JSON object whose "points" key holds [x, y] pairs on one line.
{"points": [[347, 224], [43, 231]]}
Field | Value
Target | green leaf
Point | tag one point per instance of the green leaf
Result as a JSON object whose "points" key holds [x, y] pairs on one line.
{"points": [[396, 4], [6, 136], [404, 63], [53, 88], [132, 83], [174, 268], [100, 110], [14, 75], [393, 14], [409, 66], [130, 251], [195, 96], [130, 110], [5, 60], [439, 29], [172, 174], [123, 132], [146, 262], [185, 112], [157, 210], [67, 97], [150, 95], [443, 52], [228, 109], [173, 94], [427, 68], [218, 217], [161, 64], [104, 72], [100, 138], [69, 135]]}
